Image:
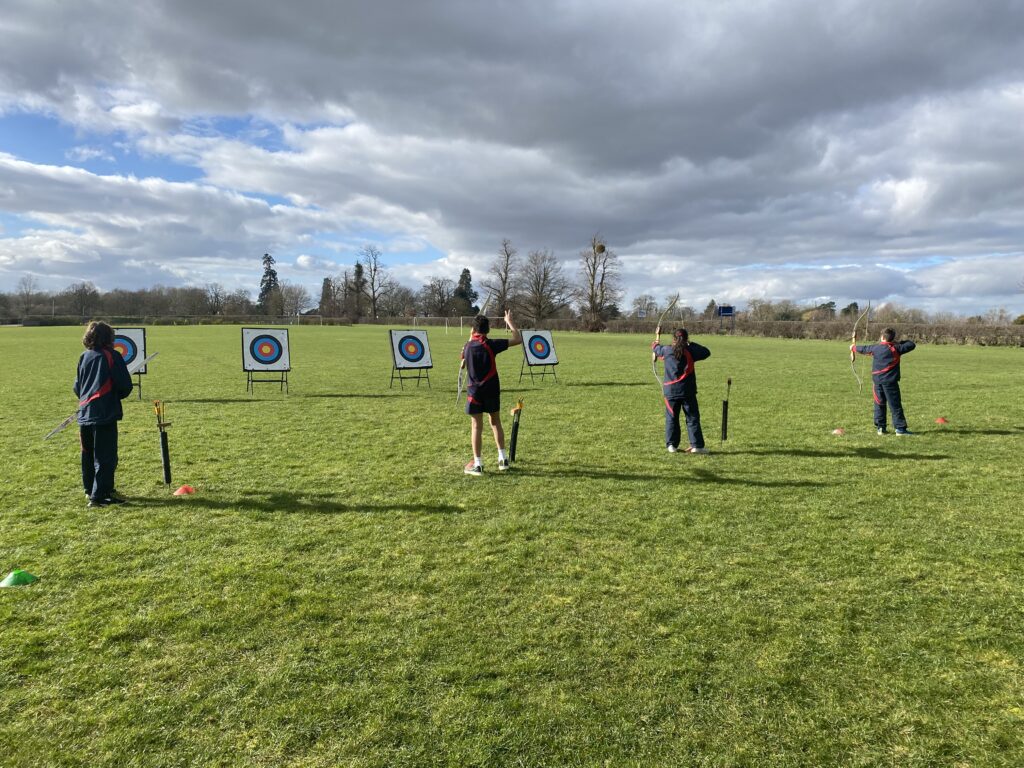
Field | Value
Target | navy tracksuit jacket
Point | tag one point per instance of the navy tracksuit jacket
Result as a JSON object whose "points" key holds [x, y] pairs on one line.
{"points": [[680, 391], [102, 383], [885, 379]]}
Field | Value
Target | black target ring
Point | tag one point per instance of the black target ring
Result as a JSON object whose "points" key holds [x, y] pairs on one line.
{"points": [[411, 349], [540, 347], [266, 349], [127, 347]]}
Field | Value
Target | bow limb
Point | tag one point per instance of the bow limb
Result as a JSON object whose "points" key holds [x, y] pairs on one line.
{"points": [[853, 348], [853, 368], [671, 305]]}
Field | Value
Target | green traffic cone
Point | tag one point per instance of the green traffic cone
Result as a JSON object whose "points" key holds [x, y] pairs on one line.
{"points": [[18, 578]]}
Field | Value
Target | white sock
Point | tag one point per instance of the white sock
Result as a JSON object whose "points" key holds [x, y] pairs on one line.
{"points": [[501, 454], [477, 461]]}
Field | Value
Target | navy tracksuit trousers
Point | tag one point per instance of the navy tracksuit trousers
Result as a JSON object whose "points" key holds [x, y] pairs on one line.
{"points": [[691, 412], [99, 458], [889, 394]]}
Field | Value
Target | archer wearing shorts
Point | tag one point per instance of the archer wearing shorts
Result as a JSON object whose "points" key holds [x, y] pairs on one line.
{"points": [[483, 389]]}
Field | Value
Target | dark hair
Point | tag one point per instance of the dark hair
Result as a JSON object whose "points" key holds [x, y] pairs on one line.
{"points": [[481, 325], [681, 337], [888, 334], [98, 335]]}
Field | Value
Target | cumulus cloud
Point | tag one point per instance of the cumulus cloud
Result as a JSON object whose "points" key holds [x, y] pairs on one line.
{"points": [[792, 149]]}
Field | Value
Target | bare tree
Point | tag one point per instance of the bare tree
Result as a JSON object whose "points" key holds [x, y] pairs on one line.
{"points": [[81, 298], [500, 280], [378, 282], [215, 297], [238, 302], [28, 288], [399, 301], [437, 296], [644, 305], [343, 293], [601, 290], [295, 298], [545, 290], [188, 301]]}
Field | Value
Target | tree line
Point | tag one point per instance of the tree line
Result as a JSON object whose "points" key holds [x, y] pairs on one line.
{"points": [[536, 286]]}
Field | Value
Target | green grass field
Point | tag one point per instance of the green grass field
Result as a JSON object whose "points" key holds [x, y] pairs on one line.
{"points": [[338, 593]]}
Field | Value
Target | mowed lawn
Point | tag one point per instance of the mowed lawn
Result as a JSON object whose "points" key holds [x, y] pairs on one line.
{"points": [[338, 593]]}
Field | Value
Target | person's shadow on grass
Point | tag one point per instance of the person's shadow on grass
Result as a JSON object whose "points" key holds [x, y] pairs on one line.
{"points": [[289, 502], [867, 452]]}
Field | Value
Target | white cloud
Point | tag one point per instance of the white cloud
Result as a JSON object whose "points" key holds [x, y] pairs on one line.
{"points": [[702, 139]]}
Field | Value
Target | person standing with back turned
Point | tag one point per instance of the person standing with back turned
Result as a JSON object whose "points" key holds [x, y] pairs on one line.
{"points": [[102, 383], [483, 388], [885, 378], [680, 387]]}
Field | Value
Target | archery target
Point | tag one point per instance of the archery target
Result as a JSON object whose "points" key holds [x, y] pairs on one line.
{"points": [[265, 349], [131, 343], [410, 349], [539, 348]]}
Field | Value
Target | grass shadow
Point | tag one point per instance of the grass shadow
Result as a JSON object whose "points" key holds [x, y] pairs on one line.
{"points": [[698, 473], [611, 384], [956, 431], [371, 396], [706, 475], [215, 400], [287, 502], [593, 474], [815, 453]]}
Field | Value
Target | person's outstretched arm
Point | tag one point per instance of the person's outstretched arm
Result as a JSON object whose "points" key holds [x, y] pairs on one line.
{"points": [[515, 338]]}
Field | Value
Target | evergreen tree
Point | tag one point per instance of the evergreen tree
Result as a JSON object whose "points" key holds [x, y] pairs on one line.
{"points": [[358, 288], [269, 285], [328, 302], [465, 295]]}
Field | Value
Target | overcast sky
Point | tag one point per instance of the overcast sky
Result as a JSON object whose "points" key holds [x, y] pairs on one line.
{"points": [[845, 151]]}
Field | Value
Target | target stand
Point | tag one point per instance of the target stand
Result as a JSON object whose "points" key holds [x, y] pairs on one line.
{"points": [[539, 358], [410, 357], [251, 381], [266, 358], [130, 343]]}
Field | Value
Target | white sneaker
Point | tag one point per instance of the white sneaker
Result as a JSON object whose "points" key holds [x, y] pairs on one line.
{"points": [[476, 470], [503, 465], [691, 449], [672, 449]]}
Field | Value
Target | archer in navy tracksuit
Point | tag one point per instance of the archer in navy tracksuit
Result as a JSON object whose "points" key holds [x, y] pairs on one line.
{"points": [[680, 387], [885, 377], [102, 383], [483, 388]]}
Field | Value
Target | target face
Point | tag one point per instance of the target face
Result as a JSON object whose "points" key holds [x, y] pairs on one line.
{"points": [[131, 344], [539, 349], [265, 349], [410, 349]]}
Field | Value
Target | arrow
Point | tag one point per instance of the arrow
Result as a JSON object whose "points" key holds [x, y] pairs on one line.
{"points": [[62, 426]]}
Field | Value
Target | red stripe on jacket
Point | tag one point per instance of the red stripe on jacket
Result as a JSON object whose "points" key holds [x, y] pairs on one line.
{"points": [[107, 386], [895, 361]]}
